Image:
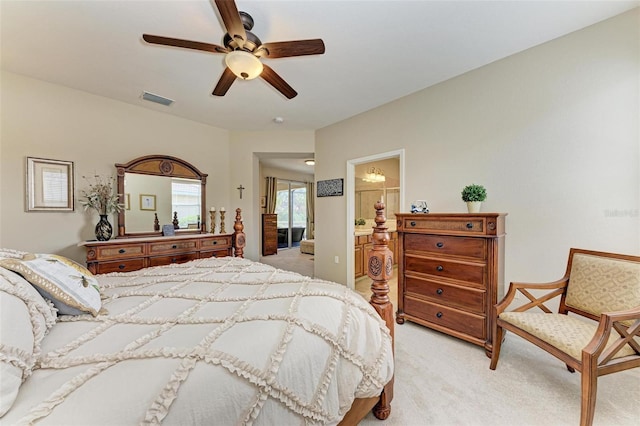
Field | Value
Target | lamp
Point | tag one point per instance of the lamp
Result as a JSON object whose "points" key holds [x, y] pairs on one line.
{"points": [[374, 175], [243, 64], [310, 162]]}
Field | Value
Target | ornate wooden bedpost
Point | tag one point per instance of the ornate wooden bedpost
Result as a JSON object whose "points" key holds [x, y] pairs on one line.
{"points": [[239, 240], [380, 270]]}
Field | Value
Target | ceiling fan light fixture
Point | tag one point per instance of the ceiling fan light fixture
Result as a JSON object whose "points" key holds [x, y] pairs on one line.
{"points": [[243, 64]]}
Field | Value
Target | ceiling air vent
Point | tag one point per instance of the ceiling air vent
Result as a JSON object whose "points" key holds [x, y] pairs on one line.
{"points": [[156, 98]]}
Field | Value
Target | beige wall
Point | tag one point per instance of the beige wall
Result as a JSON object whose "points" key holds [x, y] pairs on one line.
{"points": [[50, 121], [551, 132]]}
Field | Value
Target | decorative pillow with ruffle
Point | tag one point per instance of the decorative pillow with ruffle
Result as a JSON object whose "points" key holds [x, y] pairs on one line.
{"points": [[71, 287], [25, 318]]}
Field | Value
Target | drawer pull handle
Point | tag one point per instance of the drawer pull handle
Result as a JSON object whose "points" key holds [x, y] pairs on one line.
{"points": [[439, 314], [439, 291], [440, 268], [469, 225], [439, 245], [215, 242], [122, 251], [413, 223], [174, 246], [121, 266]]}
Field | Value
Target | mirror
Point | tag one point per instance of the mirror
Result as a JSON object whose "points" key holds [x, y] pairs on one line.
{"points": [[159, 186]]}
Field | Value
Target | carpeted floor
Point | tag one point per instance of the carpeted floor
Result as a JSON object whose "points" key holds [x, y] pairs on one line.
{"points": [[291, 260], [444, 381]]}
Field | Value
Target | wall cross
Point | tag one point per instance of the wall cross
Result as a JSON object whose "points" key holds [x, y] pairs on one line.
{"points": [[240, 188]]}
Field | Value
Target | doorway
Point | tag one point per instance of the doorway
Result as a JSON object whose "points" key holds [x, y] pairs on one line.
{"points": [[291, 208], [393, 193]]}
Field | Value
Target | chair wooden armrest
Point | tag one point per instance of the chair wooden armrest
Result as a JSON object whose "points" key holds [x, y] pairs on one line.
{"points": [[514, 288], [626, 323]]}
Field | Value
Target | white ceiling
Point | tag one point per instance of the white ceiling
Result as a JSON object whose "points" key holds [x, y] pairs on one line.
{"points": [[376, 51]]}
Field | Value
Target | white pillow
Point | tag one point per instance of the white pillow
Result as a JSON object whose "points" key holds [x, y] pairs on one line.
{"points": [[25, 318], [71, 287]]}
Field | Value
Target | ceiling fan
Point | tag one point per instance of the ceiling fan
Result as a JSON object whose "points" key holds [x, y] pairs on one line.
{"points": [[244, 50]]}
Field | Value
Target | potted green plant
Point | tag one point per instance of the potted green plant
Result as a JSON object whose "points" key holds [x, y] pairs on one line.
{"points": [[360, 222], [474, 195]]}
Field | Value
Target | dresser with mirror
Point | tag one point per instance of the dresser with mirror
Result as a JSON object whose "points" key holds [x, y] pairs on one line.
{"points": [[158, 192]]}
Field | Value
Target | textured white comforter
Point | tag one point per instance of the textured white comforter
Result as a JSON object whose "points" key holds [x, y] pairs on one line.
{"points": [[210, 342]]}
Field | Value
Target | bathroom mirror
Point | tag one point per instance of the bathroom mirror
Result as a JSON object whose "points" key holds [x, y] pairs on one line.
{"points": [[153, 189]]}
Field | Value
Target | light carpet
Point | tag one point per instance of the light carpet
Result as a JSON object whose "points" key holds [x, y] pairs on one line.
{"points": [[443, 381], [291, 260]]}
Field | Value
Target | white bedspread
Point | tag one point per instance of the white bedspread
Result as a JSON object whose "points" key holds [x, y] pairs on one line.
{"points": [[210, 342]]}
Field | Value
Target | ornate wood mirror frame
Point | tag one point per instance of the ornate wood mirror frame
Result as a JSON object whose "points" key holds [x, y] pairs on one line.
{"points": [[160, 165]]}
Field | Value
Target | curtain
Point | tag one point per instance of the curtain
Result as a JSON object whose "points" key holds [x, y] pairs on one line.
{"points": [[271, 194], [310, 211]]}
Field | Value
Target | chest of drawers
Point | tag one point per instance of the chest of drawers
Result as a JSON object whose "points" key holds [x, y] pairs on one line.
{"points": [[451, 272], [131, 254]]}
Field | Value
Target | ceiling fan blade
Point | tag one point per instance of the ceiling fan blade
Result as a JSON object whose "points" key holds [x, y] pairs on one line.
{"points": [[271, 77], [187, 44], [232, 22], [283, 49], [226, 80]]}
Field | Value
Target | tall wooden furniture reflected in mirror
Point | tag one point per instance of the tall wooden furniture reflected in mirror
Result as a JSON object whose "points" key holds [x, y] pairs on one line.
{"points": [[162, 166]]}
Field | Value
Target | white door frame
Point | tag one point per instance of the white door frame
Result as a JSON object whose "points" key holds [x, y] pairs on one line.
{"points": [[351, 204]]}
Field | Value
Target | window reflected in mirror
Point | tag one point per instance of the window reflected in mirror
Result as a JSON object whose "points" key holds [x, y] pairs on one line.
{"points": [[170, 194]]}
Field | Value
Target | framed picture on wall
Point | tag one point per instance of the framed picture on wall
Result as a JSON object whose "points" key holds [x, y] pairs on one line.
{"points": [[147, 202], [263, 202], [49, 185], [330, 188]]}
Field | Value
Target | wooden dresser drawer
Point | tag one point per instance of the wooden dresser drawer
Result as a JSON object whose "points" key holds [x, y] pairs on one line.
{"points": [[117, 252], [121, 266], [172, 246], [470, 225], [446, 245], [443, 316], [472, 273], [214, 243], [215, 253], [176, 258], [467, 298]]}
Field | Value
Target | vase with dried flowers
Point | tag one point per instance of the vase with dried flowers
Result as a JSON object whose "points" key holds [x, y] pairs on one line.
{"points": [[101, 196]]}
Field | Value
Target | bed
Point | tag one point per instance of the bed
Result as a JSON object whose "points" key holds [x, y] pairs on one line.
{"points": [[211, 341]]}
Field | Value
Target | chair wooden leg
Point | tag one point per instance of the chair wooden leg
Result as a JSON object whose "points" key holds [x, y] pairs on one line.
{"points": [[498, 334], [589, 382]]}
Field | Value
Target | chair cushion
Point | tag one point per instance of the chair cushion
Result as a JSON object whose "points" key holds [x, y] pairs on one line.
{"points": [[599, 284], [567, 333]]}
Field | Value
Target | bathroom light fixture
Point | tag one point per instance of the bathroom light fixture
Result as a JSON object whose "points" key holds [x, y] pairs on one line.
{"points": [[310, 162], [374, 175], [243, 64]]}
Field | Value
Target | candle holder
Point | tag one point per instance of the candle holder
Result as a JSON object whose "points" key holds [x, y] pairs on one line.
{"points": [[222, 230], [212, 213]]}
